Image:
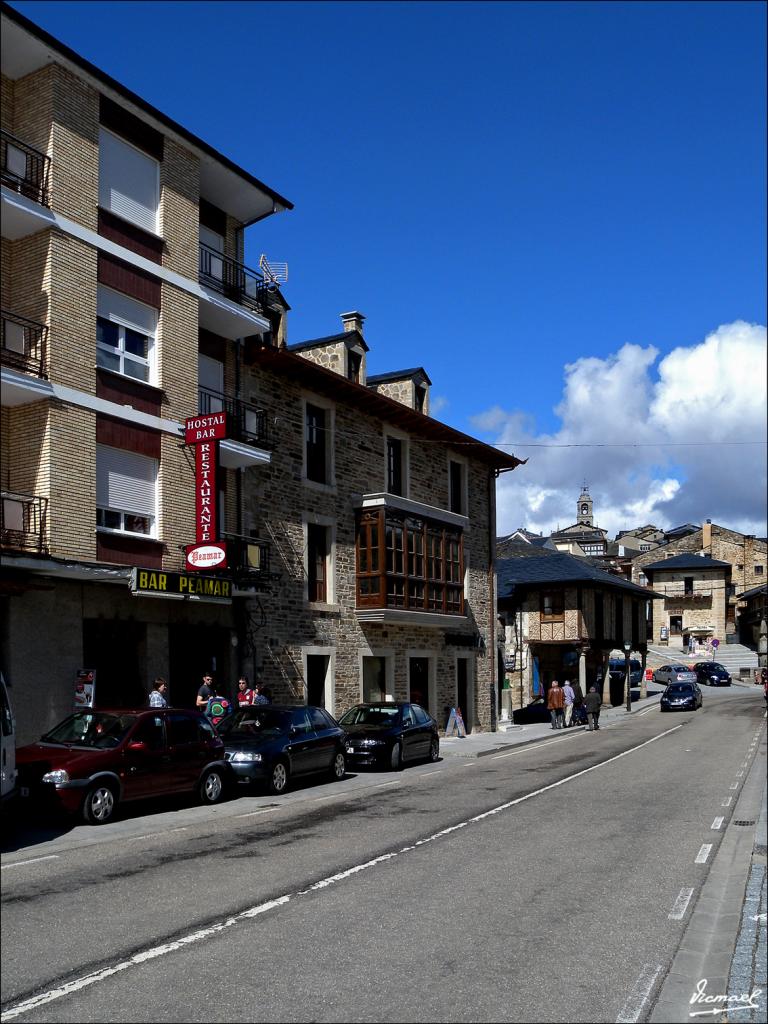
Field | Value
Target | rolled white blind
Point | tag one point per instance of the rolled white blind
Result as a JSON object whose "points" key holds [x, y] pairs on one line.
{"points": [[116, 306], [125, 481], [128, 181]]}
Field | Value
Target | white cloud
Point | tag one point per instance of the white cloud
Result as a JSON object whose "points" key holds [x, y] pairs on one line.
{"points": [[709, 393]]}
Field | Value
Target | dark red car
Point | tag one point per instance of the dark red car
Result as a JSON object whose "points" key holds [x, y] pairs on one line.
{"points": [[96, 759]]}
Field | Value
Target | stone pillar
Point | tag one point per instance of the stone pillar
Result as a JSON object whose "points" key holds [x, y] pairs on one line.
{"points": [[643, 683], [607, 680], [583, 670]]}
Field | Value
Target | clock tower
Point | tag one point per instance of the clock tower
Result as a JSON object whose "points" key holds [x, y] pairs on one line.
{"points": [[584, 507]]}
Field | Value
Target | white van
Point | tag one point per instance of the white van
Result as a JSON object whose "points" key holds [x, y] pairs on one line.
{"points": [[8, 754]]}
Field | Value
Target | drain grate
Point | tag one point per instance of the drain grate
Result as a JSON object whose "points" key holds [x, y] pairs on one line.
{"points": [[742, 823]]}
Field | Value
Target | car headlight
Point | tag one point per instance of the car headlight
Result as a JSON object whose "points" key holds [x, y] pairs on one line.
{"points": [[371, 743], [246, 755], [58, 777]]}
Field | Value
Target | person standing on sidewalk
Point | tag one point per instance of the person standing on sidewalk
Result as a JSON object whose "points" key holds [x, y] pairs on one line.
{"points": [[555, 704], [570, 697], [593, 702], [158, 696]]}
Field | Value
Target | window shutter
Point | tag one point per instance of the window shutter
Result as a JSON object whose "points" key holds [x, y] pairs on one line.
{"points": [[128, 181], [125, 481], [122, 309]]}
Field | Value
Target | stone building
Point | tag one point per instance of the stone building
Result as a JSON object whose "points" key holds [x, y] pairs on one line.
{"points": [[381, 525], [694, 591], [583, 537], [745, 554], [562, 618], [124, 297]]}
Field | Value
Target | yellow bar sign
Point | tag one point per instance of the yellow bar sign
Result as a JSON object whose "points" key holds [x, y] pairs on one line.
{"points": [[156, 583]]}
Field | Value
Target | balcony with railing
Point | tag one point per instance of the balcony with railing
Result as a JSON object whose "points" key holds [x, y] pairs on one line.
{"points": [[248, 560], [245, 422], [233, 280], [23, 344], [24, 169], [23, 522]]}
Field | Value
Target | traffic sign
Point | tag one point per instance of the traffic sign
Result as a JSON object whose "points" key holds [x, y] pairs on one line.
{"points": [[715, 642]]}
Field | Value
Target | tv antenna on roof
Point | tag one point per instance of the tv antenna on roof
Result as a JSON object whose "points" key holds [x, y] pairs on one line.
{"points": [[273, 272]]}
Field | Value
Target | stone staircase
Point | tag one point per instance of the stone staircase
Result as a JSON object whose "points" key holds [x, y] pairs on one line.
{"points": [[733, 657]]}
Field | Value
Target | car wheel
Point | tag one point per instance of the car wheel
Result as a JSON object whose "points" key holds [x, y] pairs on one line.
{"points": [[396, 758], [211, 788], [100, 804], [434, 749], [278, 778], [338, 766]]}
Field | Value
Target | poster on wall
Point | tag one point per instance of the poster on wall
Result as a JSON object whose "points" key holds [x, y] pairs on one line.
{"points": [[85, 687]]}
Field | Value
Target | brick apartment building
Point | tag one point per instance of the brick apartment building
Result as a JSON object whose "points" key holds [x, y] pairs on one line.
{"points": [[359, 530]]}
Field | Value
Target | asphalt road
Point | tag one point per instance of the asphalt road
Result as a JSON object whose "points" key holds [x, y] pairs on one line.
{"points": [[545, 883]]}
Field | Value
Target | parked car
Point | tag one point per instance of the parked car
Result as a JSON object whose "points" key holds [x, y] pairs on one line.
{"points": [[273, 743], [389, 734], [674, 673], [8, 773], [681, 697], [97, 759], [618, 670], [535, 711], [710, 673]]}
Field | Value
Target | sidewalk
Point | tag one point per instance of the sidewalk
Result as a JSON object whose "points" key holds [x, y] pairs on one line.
{"points": [[481, 744]]}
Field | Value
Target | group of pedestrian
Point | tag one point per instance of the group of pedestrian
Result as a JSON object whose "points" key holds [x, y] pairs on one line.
{"points": [[568, 706], [214, 704]]}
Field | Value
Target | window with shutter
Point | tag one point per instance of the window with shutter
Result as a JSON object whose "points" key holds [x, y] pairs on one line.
{"points": [[129, 181], [125, 335], [126, 491]]}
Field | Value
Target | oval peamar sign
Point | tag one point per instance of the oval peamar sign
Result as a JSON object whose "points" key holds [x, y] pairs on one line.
{"points": [[206, 556]]}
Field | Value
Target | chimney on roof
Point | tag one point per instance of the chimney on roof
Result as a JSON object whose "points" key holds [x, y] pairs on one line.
{"points": [[706, 536], [353, 321]]}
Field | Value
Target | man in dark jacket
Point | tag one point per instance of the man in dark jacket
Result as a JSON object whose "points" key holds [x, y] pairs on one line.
{"points": [[593, 702]]}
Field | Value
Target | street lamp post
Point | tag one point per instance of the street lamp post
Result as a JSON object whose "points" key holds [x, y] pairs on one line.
{"points": [[627, 686]]}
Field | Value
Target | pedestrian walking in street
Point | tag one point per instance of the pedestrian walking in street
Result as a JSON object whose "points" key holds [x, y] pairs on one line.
{"points": [[556, 704], [593, 702], [245, 695], [570, 697], [157, 697], [205, 692]]}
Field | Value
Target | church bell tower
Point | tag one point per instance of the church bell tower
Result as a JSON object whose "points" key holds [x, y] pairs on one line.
{"points": [[584, 507]]}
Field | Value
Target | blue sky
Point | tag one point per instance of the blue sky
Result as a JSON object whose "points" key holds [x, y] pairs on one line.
{"points": [[538, 202]]}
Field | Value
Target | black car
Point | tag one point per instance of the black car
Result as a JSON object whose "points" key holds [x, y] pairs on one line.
{"points": [[272, 743], [681, 697], [390, 733], [710, 673], [536, 711]]}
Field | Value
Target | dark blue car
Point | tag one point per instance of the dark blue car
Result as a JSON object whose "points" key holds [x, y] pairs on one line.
{"points": [[272, 743], [711, 673]]}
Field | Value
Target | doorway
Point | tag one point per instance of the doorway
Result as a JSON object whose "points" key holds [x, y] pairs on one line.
{"points": [[374, 679], [317, 673], [117, 649], [193, 651], [465, 697], [418, 682]]}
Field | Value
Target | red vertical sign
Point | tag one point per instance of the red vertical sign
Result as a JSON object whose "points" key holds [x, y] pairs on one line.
{"points": [[205, 490]]}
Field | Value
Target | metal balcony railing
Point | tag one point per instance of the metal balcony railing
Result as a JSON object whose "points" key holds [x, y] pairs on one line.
{"points": [[248, 558], [24, 169], [245, 422], [23, 519], [232, 279], [24, 343]]}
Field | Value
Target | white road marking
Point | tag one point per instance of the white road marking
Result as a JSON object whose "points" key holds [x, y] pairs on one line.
{"points": [[727, 802], [537, 746], [647, 711], [639, 995], [151, 835], [251, 814], [381, 785], [739, 774], [34, 860], [734, 785], [681, 905], [43, 998], [704, 852], [424, 774], [717, 823]]}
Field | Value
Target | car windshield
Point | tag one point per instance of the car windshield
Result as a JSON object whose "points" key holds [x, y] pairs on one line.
{"points": [[378, 715], [714, 667], [259, 720], [679, 668], [97, 729], [678, 688]]}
